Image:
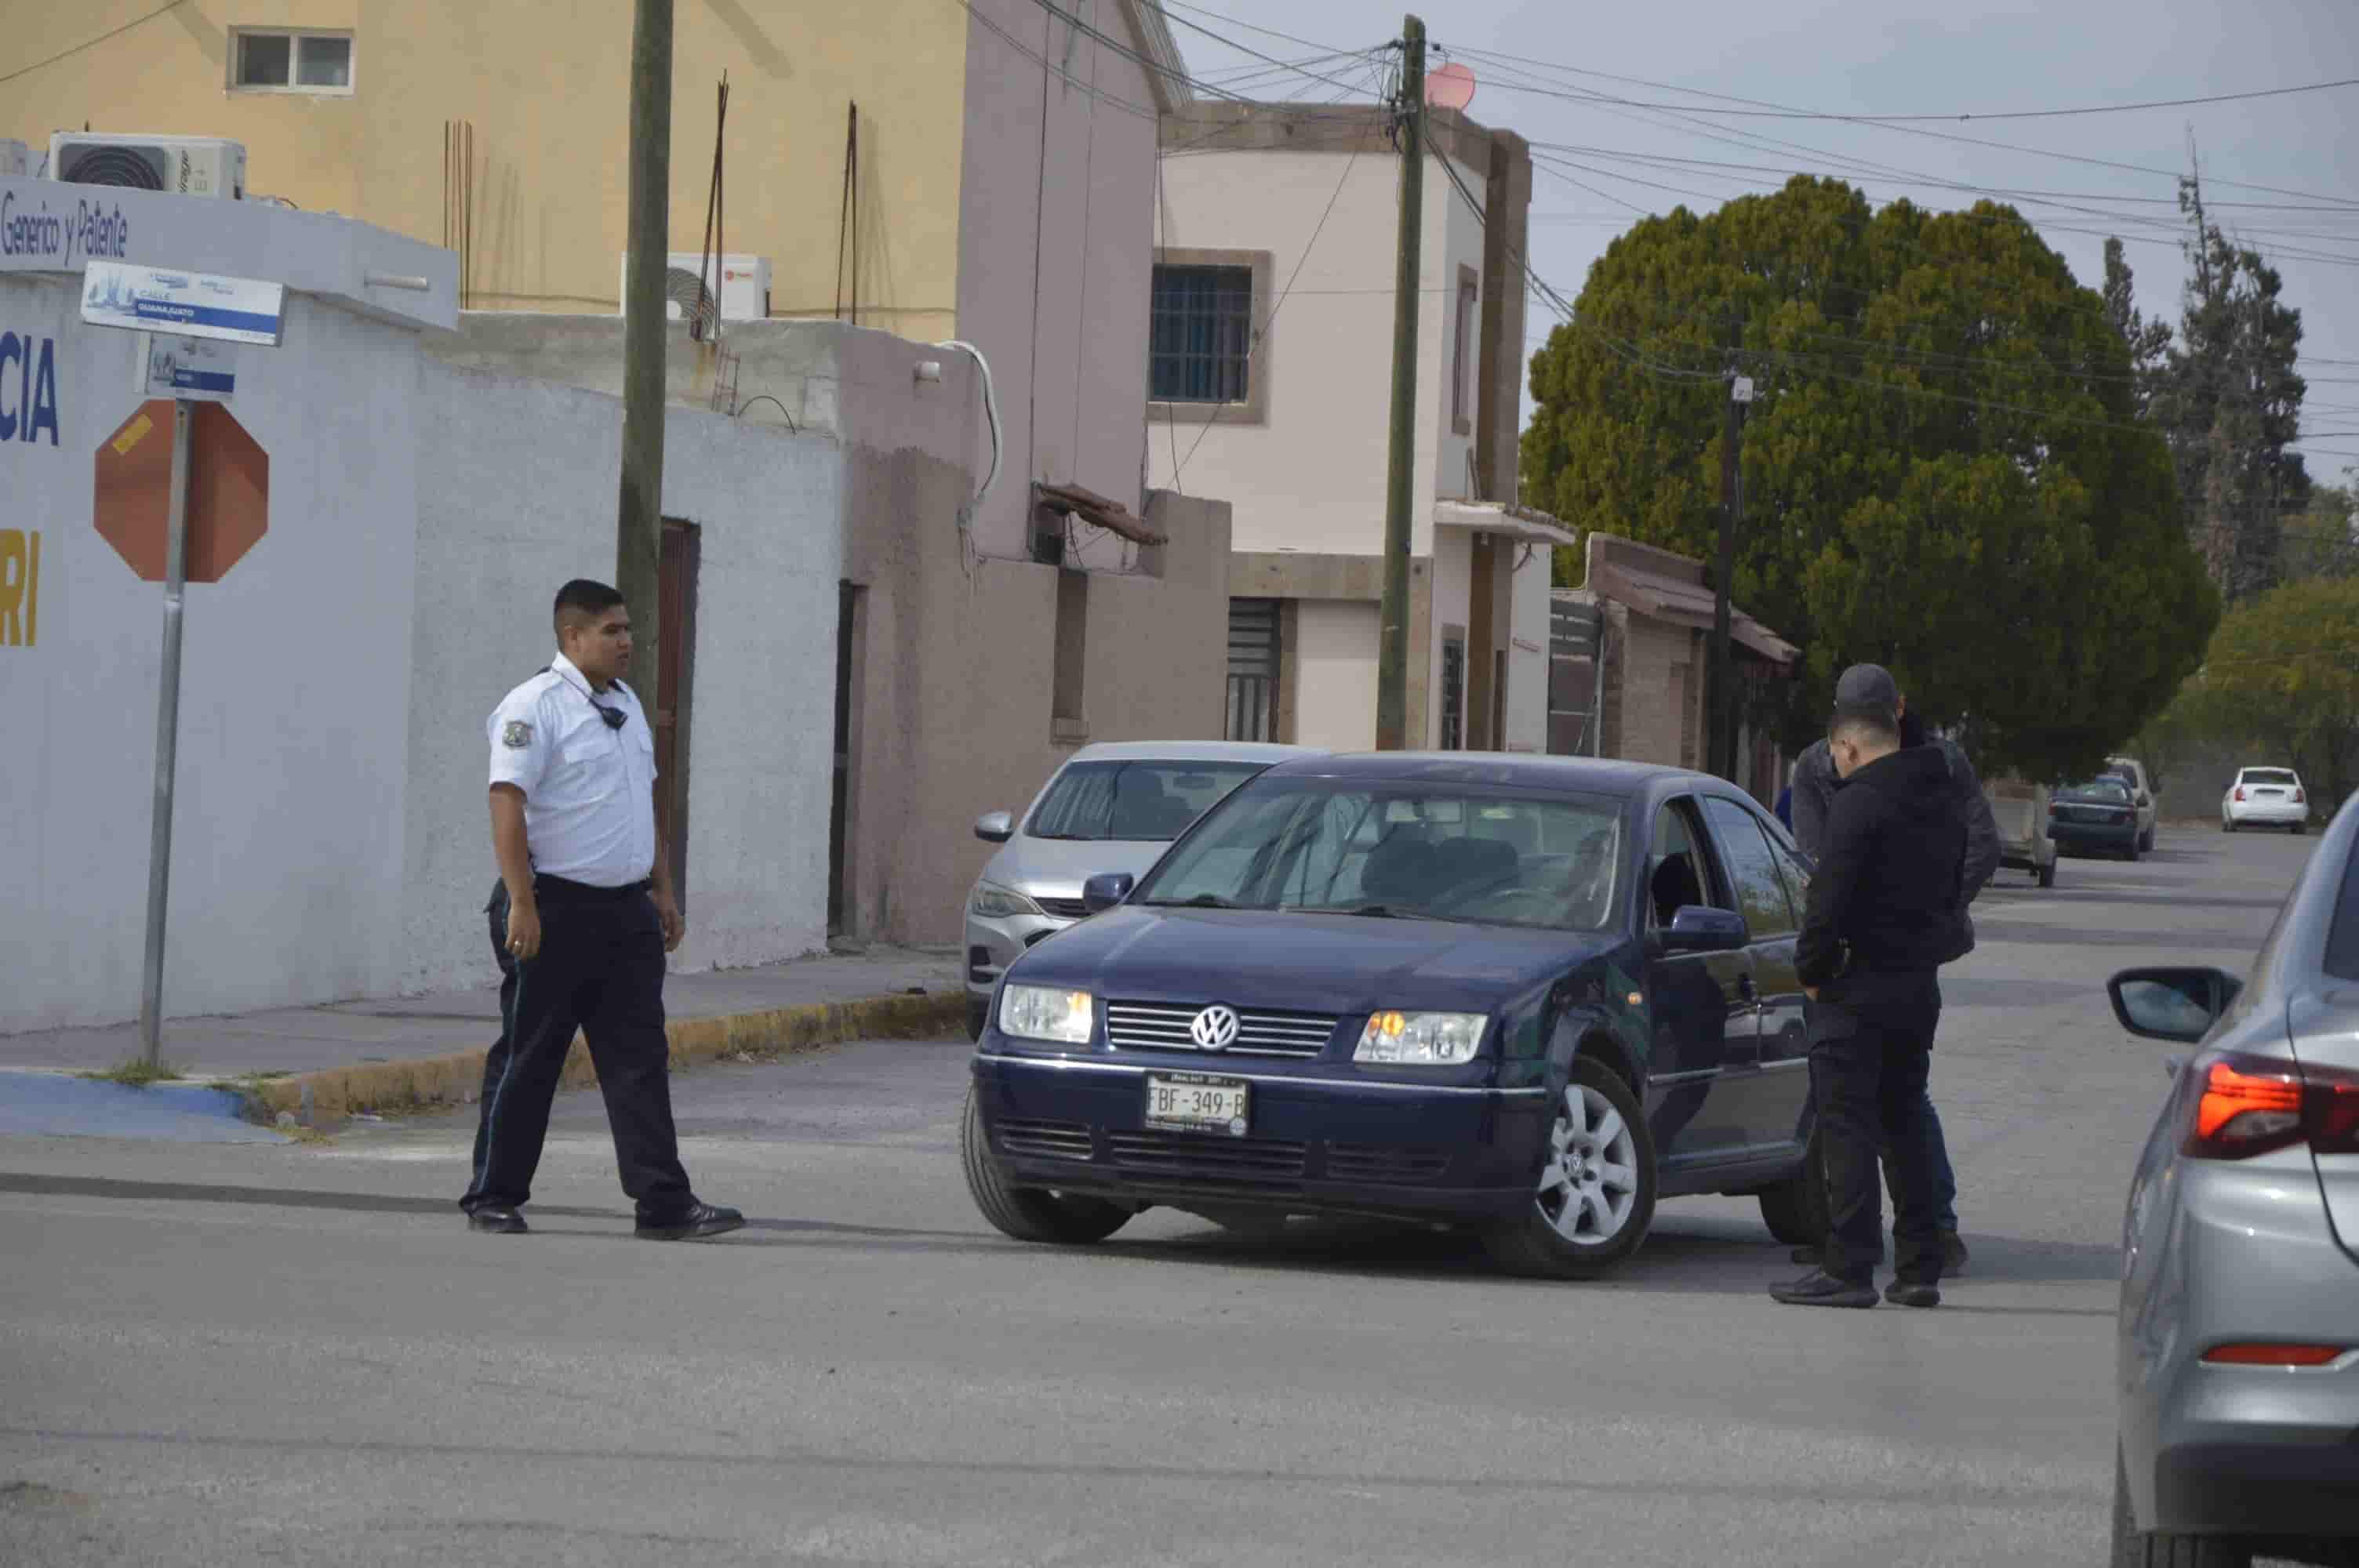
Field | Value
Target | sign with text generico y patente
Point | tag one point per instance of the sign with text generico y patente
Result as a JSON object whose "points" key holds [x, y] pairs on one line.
{"points": [[190, 304]]}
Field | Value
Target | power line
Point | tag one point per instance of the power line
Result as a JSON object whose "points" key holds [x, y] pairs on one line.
{"points": [[92, 43], [1896, 120], [1585, 94], [1157, 6]]}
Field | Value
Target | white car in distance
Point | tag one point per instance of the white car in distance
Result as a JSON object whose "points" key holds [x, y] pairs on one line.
{"points": [[2266, 797]]}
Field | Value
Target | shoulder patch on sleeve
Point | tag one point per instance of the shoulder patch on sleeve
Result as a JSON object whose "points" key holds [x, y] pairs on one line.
{"points": [[515, 735]]}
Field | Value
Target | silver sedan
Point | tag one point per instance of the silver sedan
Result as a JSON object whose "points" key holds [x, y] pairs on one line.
{"points": [[2239, 1329]]}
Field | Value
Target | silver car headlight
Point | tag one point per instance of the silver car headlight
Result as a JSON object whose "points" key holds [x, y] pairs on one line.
{"points": [[1421, 1039], [992, 902], [1047, 1013]]}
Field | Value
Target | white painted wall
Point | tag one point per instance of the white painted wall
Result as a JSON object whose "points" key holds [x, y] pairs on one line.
{"points": [[330, 836], [1334, 696], [1065, 172], [517, 495], [1313, 477], [1528, 652], [286, 855]]}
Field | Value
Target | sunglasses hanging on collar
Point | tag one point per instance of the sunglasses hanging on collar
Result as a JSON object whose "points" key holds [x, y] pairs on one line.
{"points": [[614, 717]]}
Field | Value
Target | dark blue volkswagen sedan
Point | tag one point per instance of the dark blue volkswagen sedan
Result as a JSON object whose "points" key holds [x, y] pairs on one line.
{"points": [[1526, 995]]}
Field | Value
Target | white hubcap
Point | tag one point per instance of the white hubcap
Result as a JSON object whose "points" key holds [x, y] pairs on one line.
{"points": [[1589, 1185]]}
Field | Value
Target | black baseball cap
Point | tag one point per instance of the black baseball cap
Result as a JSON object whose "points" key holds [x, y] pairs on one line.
{"points": [[1867, 685]]}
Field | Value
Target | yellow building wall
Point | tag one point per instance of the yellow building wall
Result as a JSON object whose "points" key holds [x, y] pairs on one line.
{"points": [[546, 86]]}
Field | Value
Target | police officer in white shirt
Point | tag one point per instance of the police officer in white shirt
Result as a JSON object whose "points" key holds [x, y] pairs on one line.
{"points": [[581, 942]]}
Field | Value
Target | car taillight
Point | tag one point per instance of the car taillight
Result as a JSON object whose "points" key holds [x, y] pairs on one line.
{"points": [[2297, 797], [2251, 1104], [2272, 1355], [2240, 792]]}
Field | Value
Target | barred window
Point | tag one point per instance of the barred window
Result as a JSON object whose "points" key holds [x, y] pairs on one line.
{"points": [[1199, 342]]}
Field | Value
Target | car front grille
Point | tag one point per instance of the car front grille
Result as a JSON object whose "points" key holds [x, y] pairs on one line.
{"points": [[1063, 908], [1211, 1157], [1386, 1161], [1045, 1140], [1162, 1026]]}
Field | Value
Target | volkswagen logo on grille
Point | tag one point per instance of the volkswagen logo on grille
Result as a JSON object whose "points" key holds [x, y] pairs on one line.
{"points": [[1214, 1028]]}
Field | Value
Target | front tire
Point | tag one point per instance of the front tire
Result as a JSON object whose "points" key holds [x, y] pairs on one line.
{"points": [[1028, 1214], [1594, 1197], [2136, 1548], [1795, 1210]]}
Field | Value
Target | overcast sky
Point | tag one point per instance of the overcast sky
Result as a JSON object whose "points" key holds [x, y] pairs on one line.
{"points": [[1893, 57]]}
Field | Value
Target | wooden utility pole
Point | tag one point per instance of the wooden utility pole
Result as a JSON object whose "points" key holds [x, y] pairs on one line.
{"points": [[638, 526], [1720, 743], [1392, 648]]}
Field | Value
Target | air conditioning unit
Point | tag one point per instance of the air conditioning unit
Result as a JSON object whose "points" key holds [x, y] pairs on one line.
{"points": [[184, 165], [16, 158], [741, 283]]}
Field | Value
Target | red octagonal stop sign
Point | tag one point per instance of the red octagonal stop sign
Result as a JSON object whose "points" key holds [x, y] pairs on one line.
{"points": [[229, 490]]}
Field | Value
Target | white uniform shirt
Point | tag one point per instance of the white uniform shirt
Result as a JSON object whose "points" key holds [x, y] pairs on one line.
{"points": [[589, 789]]}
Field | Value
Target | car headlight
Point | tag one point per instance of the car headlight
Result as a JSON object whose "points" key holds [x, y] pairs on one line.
{"points": [[1420, 1039], [996, 902], [1046, 1012]]}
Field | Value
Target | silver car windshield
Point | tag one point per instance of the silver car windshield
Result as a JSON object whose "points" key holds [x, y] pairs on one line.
{"points": [[1137, 802], [1405, 850]]}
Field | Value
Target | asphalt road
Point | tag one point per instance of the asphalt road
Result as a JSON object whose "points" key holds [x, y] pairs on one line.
{"points": [[234, 1352]]}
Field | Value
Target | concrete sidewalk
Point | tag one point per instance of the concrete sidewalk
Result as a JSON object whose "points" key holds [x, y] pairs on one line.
{"points": [[324, 1062]]}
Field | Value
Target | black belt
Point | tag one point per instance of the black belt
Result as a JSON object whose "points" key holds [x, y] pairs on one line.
{"points": [[559, 888]]}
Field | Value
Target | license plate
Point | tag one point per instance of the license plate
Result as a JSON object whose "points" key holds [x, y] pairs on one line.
{"points": [[1196, 1102]]}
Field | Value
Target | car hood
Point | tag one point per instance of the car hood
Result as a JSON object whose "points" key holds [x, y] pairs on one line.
{"points": [[1056, 868], [1315, 963]]}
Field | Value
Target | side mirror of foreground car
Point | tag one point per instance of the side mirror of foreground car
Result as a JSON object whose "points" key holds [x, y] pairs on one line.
{"points": [[2176, 1004], [995, 827], [1105, 889], [1698, 928]]}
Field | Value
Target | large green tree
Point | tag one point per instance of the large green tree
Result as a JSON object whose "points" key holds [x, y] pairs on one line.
{"points": [[2229, 401], [2280, 682], [1944, 468]]}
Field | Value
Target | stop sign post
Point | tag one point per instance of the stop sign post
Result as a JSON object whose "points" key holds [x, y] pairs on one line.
{"points": [[212, 309]]}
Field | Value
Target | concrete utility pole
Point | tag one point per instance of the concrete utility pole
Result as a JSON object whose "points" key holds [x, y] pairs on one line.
{"points": [[638, 527], [1720, 744], [1392, 649]]}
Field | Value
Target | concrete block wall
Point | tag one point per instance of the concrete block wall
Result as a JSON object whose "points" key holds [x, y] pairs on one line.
{"points": [[516, 494]]}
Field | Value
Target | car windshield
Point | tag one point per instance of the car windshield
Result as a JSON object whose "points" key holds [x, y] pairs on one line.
{"points": [[2271, 777], [1137, 802], [1401, 850], [2105, 789]]}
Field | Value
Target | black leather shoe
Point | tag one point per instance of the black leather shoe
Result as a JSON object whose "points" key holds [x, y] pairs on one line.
{"points": [[1819, 1288], [496, 1219], [1953, 1254], [1901, 1293], [703, 1220]]}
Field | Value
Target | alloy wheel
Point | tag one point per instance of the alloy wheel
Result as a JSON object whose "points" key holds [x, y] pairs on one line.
{"points": [[1589, 1187]]}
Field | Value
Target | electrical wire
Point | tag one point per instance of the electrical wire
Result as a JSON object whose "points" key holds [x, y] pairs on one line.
{"points": [[92, 43], [1530, 66], [1899, 120]]}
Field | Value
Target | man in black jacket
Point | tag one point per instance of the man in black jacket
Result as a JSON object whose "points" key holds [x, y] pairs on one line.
{"points": [[1883, 916], [1872, 686]]}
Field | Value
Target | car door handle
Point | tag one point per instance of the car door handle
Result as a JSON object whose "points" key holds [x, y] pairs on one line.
{"points": [[1745, 988]]}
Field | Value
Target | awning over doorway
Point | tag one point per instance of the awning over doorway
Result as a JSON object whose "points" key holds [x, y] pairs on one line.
{"points": [[1512, 522], [1684, 603]]}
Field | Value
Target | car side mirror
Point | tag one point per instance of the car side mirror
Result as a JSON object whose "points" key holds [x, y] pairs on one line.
{"points": [[1102, 891], [995, 827], [2175, 1004], [1698, 928]]}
